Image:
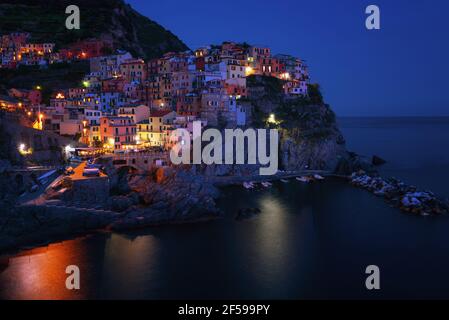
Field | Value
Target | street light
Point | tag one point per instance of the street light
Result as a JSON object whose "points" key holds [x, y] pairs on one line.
{"points": [[41, 116], [23, 150]]}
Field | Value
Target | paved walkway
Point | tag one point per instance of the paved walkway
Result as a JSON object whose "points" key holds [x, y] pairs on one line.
{"points": [[78, 175]]}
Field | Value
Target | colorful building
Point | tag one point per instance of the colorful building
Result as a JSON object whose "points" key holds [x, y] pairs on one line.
{"points": [[134, 70], [117, 132], [156, 130]]}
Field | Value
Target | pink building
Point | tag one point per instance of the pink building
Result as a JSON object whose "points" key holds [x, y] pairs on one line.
{"points": [[117, 132]]}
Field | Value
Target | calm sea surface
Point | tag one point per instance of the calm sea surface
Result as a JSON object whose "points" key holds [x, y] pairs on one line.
{"points": [[310, 241]]}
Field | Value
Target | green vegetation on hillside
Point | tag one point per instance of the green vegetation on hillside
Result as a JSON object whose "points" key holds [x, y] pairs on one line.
{"points": [[307, 115], [45, 20], [272, 86], [56, 76], [47, 23]]}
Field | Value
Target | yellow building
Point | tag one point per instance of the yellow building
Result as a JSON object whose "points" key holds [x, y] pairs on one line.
{"points": [[155, 131]]}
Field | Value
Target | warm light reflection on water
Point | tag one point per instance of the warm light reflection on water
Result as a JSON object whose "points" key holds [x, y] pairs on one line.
{"points": [[40, 273], [271, 228], [113, 261]]}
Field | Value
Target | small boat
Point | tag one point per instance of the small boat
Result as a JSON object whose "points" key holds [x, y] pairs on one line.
{"points": [[318, 177], [248, 185], [284, 180], [303, 179], [266, 184]]}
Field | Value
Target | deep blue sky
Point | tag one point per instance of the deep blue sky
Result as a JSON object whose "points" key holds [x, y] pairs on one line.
{"points": [[403, 69]]}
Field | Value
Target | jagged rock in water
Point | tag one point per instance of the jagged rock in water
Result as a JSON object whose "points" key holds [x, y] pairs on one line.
{"points": [[377, 161], [403, 196]]}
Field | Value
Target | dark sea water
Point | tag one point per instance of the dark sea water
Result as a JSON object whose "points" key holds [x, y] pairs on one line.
{"points": [[310, 241]]}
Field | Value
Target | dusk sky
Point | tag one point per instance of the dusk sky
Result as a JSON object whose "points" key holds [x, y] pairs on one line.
{"points": [[401, 69]]}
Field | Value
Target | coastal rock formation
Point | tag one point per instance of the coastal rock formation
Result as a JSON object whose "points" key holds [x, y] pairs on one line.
{"points": [[309, 134], [405, 197], [314, 143], [177, 197], [68, 210], [377, 161], [23, 225]]}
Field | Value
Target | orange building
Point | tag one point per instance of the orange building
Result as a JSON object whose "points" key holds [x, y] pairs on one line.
{"points": [[134, 70]]}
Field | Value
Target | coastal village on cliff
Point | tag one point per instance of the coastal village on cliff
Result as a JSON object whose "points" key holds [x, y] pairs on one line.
{"points": [[118, 121], [127, 103]]}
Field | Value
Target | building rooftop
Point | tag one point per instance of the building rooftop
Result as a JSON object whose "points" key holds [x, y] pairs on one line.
{"points": [[159, 113]]}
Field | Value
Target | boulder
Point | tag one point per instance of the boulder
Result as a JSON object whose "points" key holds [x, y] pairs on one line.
{"points": [[377, 161]]}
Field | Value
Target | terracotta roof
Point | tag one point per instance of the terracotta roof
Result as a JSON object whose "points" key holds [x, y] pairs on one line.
{"points": [[159, 113]]}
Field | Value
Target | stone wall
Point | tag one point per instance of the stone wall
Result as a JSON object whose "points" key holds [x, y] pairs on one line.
{"points": [[88, 193], [31, 224], [47, 147]]}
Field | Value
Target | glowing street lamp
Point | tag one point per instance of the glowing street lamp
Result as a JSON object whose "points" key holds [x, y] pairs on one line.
{"points": [[39, 121], [285, 76], [271, 118], [23, 150], [249, 71]]}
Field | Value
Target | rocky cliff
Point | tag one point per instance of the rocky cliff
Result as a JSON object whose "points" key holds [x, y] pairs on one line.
{"points": [[309, 135]]}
